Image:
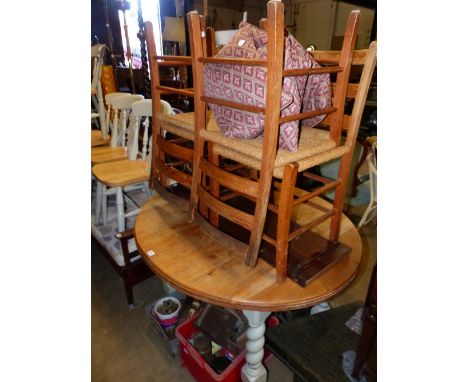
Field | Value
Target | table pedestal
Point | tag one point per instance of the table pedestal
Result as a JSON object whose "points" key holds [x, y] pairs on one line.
{"points": [[253, 370], [197, 265]]}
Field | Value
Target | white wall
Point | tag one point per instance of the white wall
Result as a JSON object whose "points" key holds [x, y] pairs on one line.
{"points": [[317, 21], [312, 22], [230, 17], [365, 26]]}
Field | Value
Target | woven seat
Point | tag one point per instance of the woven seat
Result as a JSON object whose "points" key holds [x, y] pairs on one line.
{"points": [[179, 124], [314, 147], [214, 188]]}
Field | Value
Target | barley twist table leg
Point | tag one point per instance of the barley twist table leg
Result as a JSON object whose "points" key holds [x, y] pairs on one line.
{"points": [[253, 370]]}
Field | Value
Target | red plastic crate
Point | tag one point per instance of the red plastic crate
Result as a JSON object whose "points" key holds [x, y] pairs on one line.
{"points": [[196, 364]]}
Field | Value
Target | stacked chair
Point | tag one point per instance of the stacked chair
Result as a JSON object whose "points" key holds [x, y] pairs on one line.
{"points": [[97, 101], [132, 173], [172, 133], [371, 159], [277, 169], [116, 120]]}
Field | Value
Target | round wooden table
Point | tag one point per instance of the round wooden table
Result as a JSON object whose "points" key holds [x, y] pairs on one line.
{"points": [[192, 262]]}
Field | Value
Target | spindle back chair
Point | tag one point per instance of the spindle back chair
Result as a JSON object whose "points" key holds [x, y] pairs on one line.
{"points": [[130, 174]]}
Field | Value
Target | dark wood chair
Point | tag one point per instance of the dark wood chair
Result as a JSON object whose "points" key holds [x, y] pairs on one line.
{"points": [[316, 146], [134, 270]]}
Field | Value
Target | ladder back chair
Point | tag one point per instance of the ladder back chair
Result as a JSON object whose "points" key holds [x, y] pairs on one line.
{"points": [[173, 134], [130, 174], [316, 146]]}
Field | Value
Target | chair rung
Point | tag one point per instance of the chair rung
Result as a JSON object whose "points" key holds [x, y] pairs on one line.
{"points": [[307, 114], [174, 150], [224, 239], [269, 239], [184, 59], [229, 196], [232, 61], [316, 177], [233, 167], [235, 105], [317, 206], [321, 70], [170, 90], [176, 163], [232, 181], [237, 216], [176, 175], [318, 191], [311, 225]]}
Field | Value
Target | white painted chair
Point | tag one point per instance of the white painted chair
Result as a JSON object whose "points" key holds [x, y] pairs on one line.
{"points": [[133, 173], [119, 105], [109, 111], [371, 209], [118, 112], [98, 110]]}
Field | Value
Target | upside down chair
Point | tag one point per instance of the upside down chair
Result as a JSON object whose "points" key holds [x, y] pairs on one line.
{"points": [[277, 168]]}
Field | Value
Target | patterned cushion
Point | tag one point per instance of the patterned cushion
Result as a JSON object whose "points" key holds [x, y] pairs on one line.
{"points": [[247, 85]]}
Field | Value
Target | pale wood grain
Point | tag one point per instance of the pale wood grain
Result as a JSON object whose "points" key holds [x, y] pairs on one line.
{"points": [[197, 265], [122, 173], [107, 154], [96, 138]]}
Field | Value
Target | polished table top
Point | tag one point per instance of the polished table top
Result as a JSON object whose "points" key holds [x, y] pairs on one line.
{"points": [[192, 262]]}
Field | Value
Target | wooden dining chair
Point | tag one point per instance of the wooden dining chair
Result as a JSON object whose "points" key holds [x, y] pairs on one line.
{"points": [[371, 210], [316, 145], [116, 121], [98, 110], [172, 133], [130, 174]]}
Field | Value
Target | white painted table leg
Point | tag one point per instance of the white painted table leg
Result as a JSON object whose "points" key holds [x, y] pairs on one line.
{"points": [[104, 204], [253, 370], [147, 189], [97, 213], [120, 210]]}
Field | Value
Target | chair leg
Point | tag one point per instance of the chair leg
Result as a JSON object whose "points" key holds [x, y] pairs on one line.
{"points": [[261, 208], [120, 210], [99, 193], [104, 204], [364, 220], [147, 189], [128, 292], [214, 186], [340, 191], [284, 217]]}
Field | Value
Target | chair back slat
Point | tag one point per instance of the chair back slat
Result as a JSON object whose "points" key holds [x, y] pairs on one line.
{"points": [[121, 105]]}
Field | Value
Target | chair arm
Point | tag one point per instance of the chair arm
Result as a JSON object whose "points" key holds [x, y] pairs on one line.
{"points": [[124, 237]]}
